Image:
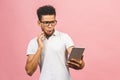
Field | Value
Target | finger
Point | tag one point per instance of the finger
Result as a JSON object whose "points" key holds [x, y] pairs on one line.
{"points": [[41, 35], [80, 62], [75, 61], [73, 64], [69, 65]]}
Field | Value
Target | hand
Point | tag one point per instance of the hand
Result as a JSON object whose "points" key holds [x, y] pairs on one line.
{"points": [[76, 64], [39, 40]]}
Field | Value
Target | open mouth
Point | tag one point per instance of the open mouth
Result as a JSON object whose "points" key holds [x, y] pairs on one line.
{"points": [[49, 31]]}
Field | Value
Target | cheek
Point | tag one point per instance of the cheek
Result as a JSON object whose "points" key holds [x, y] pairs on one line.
{"points": [[43, 28]]}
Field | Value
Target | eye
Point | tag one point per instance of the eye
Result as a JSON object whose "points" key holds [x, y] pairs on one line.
{"points": [[46, 22], [52, 22]]}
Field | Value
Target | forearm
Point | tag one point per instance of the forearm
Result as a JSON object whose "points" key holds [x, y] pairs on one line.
{"points": [[32, 63]]}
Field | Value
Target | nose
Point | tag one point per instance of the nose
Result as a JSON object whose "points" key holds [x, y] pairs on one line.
{"points": [[49, 25]]}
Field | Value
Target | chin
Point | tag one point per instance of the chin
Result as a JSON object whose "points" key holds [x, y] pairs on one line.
{"points": [[48, 34]]}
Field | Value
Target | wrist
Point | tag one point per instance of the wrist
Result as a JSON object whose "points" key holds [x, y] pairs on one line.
{"points": [[40, 47]]}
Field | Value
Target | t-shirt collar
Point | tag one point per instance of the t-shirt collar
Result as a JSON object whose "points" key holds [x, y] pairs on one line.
{"points": [[55, 33]]}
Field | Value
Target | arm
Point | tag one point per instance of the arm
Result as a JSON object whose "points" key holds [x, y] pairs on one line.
{"points": [[32, 62], [75, 64], [33, 59]]}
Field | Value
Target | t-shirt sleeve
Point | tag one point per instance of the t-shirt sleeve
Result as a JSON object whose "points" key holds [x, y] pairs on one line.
{"points": [[32, 47], [68, 41]]}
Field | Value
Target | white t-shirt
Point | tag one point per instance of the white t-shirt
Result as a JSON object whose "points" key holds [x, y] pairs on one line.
{"points": [[53, 56]]}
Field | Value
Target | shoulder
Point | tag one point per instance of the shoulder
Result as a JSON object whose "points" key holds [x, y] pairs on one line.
{"points": [[63, 34], [33, 40], [32, 46]]}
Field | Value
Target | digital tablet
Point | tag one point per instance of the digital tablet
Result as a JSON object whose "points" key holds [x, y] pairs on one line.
{"points": [[76, 53]]}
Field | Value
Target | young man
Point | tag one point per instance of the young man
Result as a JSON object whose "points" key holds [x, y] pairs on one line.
{"points": [[50, 49]]}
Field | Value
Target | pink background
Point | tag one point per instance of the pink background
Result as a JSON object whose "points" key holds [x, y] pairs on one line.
{"points": [[93, 24]]}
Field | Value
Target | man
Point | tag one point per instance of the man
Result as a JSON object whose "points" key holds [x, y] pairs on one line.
{"points": [[50, 49]]}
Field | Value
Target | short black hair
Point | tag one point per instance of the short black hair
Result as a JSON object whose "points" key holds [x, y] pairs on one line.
{"points": [[45, 10]]}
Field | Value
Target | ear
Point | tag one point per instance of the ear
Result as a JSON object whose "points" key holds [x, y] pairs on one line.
{"points": [[39, 23]]}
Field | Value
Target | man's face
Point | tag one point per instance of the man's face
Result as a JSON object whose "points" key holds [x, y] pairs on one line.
{"points": [[47, 24]]}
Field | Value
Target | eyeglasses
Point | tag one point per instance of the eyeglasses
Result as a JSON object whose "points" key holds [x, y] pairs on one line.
{"points": [[47, 23]]}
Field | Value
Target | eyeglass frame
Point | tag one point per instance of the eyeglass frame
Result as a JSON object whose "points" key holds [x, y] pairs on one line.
{"points": [[47, 23]]}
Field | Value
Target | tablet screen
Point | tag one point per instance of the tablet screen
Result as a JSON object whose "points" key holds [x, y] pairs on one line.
{"points": [[76, 53]]}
